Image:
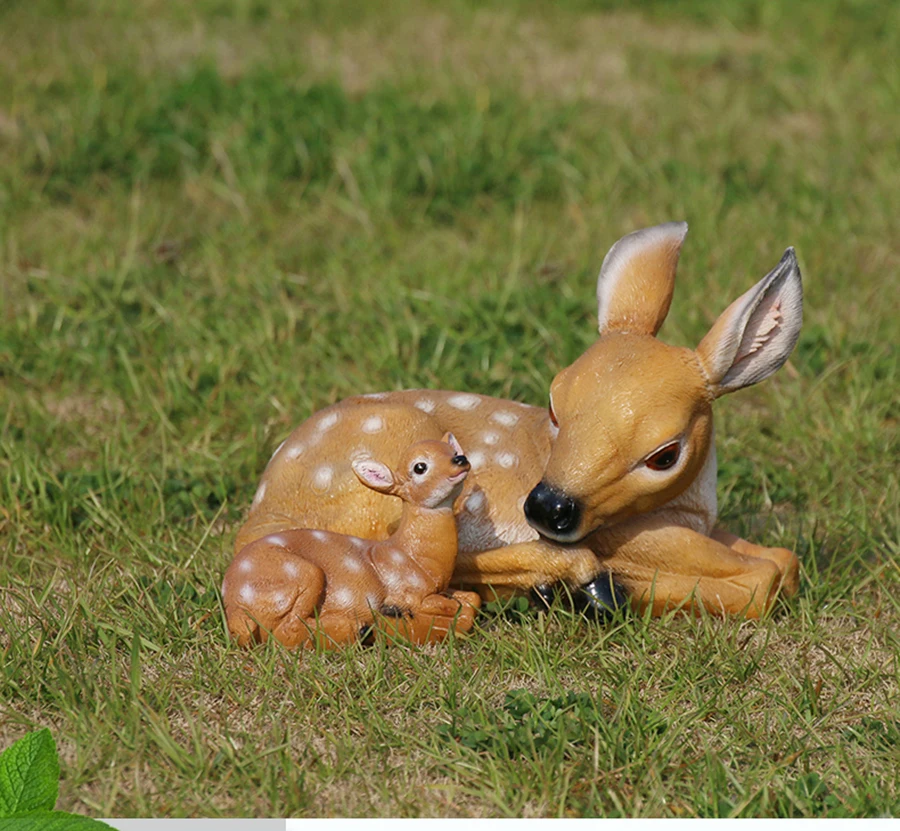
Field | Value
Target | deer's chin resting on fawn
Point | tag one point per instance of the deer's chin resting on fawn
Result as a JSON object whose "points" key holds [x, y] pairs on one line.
{"points": [[613, 485]]}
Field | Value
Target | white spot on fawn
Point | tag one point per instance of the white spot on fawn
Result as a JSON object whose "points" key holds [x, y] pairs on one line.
{"points": [[296, 451], [277, 539], [280, 599], [464, 401], [290, 569], [352, 564], [323, 476], [373, 424], [490, 437], [359, 542], [396, 556], [247, 594], [426, 405], [342, 597], [504, 417], [319, 536], [475, 503], [260, 493], [328, 421], [507, 459], [245, 566]]}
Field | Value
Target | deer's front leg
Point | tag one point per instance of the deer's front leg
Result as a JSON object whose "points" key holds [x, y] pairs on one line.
{"points": [[518, 568], [785, 559], [667, 566]]}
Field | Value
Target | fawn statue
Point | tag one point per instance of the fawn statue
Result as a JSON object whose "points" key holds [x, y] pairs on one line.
{"points": [[310, 587]]}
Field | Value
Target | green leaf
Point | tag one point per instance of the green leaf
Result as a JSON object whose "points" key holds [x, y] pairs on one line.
{"points": [[52, 821], [29, 775]]}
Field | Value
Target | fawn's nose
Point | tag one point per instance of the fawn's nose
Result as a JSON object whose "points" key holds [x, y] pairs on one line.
{"points": [[550, 512], [460, 461]]}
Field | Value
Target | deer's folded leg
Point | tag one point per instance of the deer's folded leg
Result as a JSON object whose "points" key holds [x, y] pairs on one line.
{"points": [[667, 566], [785, 559], [514, 569]]}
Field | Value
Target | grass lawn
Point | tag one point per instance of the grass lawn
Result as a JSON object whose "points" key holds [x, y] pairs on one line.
{"points": [[219, 216]]}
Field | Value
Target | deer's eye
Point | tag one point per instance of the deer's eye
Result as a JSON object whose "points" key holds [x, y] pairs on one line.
{"points": [[552, 414], [419, 468], [665, 457]]}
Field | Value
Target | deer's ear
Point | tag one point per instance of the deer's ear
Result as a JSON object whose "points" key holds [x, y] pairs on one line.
{"points": [[374, 475], [449, 438], [637, 279], [755, 334]]}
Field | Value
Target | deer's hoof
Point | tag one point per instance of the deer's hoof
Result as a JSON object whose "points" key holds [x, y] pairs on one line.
{"points": [[601, 599]]}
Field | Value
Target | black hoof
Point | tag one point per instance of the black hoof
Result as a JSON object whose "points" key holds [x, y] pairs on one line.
{"points": [[394, 611], [601, 599], [367, 634]]}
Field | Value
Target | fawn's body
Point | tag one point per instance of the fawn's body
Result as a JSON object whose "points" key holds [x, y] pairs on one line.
{"points": [[617, 482], [306, 586]]}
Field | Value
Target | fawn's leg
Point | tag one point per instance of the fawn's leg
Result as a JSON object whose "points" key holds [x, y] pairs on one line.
{"points": [[516, 568], [667, 566], [433, 619], [267, 589], [785, 559]]}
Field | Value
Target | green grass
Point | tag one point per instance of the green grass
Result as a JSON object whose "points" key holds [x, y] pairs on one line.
{"points": [[220, 216]]}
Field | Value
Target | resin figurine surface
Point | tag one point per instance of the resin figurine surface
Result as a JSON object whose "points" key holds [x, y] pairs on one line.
{"points": [[610, 492], [306, 587]]}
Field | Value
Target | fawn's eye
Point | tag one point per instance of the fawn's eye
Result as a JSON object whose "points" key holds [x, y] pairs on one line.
{"points": [[665, 457], [419, 468]]}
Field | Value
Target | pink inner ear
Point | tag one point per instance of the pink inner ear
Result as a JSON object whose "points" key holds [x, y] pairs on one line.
{"points": [[457, 447], [764, 323], [374, 474]]}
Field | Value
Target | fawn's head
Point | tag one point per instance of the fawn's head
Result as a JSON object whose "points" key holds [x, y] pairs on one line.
{"points": [[634, 415], [430, 473]]}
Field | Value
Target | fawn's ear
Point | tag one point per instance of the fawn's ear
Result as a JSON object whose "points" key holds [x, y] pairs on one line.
{"points": [[449, 438], [637, 279], [755, 334], [374, 475]]}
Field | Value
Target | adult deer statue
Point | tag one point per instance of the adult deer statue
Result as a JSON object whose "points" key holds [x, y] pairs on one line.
{"points": [[611, 492]]}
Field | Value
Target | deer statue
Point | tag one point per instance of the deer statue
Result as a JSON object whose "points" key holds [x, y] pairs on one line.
{"points": [[310, 587], [610, 493]]}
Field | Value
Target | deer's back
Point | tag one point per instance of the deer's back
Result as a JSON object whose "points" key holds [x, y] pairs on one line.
{"points": [[309, 482]]}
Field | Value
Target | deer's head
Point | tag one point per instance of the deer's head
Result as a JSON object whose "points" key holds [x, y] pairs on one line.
{"points": [[634, 415]]}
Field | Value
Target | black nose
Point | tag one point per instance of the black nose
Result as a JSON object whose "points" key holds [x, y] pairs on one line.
{"points": [[552, 512], [460, 460]]}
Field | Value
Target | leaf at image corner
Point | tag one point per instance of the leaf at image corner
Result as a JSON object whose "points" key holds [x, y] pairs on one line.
{"points": [[52, 821], [29, 775]]}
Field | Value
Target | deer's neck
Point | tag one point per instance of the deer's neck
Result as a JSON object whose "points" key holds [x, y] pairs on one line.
{"points": [[428, 536]]}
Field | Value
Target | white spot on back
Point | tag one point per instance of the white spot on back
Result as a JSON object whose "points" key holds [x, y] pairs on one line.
{"points": [[328, 421], [342, 597], [352, 564], [291, 569], [359, 542], [490, 437], [260, 493], [415, 579], [507, 459], [276, 539], [247, 593], [504, 417], [476, 459], [280, 598], [464, 401], [296, 451], [322, 477], [373, 424], [397, 556], [426, 405], [245, 566], [475, 502]]}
